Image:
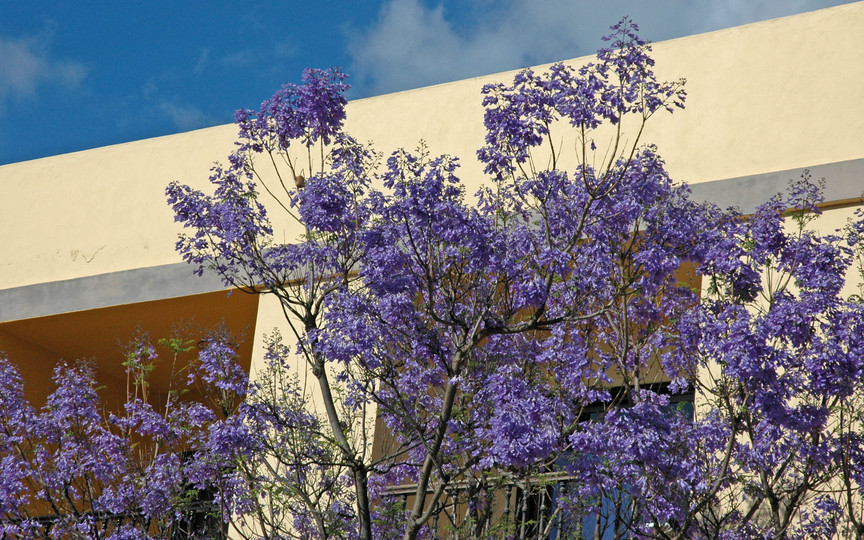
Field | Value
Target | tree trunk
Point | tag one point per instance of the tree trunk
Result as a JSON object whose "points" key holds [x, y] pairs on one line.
{"points": [[361, 488]]}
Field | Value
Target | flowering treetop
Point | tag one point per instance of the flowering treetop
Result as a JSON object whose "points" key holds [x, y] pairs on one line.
{"points": [[542, 330], [485, 335]]}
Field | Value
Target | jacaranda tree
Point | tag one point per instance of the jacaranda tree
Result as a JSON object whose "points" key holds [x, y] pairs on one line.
{"points": [[535, 346], [541, 330]]}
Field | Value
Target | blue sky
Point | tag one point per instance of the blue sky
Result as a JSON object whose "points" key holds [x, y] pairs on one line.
{"points": [[77, 75]]}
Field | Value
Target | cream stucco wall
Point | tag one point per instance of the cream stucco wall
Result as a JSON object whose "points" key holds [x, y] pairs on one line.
{"points": [[773, 95], [101, 210]]}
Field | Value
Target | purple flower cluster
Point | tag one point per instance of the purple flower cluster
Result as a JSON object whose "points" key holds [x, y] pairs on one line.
{"points": [[620, 83], [310, 112]]}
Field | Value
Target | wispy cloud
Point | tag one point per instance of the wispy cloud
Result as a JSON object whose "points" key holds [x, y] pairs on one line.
{"points": [[241, 59], [184, 117], [27, 66], [415, 44], [203, 60], [714, 14], [155, 104]]}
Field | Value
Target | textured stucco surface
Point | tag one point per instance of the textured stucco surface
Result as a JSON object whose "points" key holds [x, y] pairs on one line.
{"points": [[773, 96]]}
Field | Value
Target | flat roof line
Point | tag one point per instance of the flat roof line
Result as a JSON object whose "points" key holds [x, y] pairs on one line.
{"points": [[844, 181], [104, 290]]}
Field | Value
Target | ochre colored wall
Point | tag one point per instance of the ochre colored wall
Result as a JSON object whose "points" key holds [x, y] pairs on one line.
{"points": [[34, 363], [36, 345]]}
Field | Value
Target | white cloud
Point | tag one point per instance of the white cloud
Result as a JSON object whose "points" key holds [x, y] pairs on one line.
{"points": [[412, 44], [26, 67], [184, 117], [407, 46]]}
